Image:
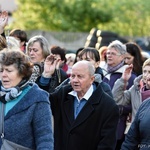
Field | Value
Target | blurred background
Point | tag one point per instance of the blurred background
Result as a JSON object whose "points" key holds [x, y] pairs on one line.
{"points": [[78, 23]]}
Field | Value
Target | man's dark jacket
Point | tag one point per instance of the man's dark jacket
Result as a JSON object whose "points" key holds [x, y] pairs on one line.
{"points": [[93, 129]]}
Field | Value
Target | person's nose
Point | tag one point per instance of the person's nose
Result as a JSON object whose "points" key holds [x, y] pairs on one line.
{"points": [[75, 79], [31, 52], [147, 74], [3, 73], [126, 60]]}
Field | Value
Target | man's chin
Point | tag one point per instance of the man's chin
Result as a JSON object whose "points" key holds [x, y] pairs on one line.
{"points": [[6, 87], [76, 90]]}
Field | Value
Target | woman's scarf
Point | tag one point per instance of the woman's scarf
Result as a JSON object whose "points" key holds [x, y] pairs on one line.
{"points": [[113, 69]]}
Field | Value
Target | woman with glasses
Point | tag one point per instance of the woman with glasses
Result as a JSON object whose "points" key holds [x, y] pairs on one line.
{"points": [[115, 66]]}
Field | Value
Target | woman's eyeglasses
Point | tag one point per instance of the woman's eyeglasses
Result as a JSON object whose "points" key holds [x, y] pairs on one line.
{"points": [[112, 54]]}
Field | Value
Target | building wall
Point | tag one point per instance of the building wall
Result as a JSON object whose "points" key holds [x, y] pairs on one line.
{"points": [[8, 5], [69, 40]]}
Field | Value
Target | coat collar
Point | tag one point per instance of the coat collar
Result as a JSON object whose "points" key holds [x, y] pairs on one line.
{"points": [[28, 100], [87, 109]]}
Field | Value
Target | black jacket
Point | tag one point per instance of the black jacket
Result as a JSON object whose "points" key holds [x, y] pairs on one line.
{"points": [[95, 126]]}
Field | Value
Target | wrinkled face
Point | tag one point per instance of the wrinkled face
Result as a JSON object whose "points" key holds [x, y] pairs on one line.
{"points": [[9, 76], [35, 53], [114, 57], [128, 59], [89, 58], [81, 79], [146, 73]]}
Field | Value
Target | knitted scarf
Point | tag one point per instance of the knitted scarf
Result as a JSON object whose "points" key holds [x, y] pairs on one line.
{"points": [[113, 69]]}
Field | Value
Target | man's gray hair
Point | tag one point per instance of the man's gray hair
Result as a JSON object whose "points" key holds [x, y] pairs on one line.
{"points": [[119, 46], [91, 69]]}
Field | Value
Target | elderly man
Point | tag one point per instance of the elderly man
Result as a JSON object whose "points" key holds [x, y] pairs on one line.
{"points": [[85, 117], [115, 67]]}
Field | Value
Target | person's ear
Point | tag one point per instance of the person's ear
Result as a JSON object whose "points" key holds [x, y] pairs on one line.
{"points": [[92, 78], [97, 64]]}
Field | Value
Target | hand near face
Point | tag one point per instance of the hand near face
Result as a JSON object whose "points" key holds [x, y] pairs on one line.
{"points": [[3, 20], [127, 73], [148, 82], [50, 65]]}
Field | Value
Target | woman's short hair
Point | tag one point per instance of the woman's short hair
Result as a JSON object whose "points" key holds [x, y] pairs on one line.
{"points": [[59, 51], [20, 34], [93, 53], [17, 58], [146, 63], [118, 46], [43, 43]]}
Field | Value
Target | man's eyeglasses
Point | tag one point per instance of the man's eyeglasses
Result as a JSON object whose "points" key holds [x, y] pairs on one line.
{"points": [[112, 54]]}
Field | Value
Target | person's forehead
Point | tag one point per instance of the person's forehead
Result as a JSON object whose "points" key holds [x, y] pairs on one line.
{"points": [[36, 43], [128, 55], [147, 67], [88, 55], [81, 67]]}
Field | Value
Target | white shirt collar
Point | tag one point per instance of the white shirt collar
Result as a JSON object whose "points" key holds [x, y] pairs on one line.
{"points": [[87, 94]]}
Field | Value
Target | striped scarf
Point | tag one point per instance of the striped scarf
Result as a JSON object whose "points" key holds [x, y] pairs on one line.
{"points": [[113, 69]]}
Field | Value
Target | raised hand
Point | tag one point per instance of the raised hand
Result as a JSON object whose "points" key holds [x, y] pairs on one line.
{"points": [[148, 81], [3, 20], [127, 73], [50, 65]]}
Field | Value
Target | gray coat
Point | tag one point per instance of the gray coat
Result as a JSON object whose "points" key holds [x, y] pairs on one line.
{"points": [[126, 97]]}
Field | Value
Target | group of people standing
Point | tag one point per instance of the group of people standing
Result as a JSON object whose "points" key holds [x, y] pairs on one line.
{"points": [[88, 109]]}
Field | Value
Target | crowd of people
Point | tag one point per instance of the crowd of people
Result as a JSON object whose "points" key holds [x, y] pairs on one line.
{"points": [[95, 99]]}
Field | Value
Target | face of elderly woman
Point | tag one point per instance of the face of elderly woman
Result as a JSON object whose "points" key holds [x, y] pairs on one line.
{"points": [[114, 57], [9, 76], [36, 53]]}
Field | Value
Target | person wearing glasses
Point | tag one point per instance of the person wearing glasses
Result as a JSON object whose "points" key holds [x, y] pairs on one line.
{"points": [[115, 63], [115, 56]]}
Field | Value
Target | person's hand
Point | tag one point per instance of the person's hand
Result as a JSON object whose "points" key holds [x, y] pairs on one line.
{"points": [[3, 20], [70, 61], [148, 82], [50, 65], [127, 73]]}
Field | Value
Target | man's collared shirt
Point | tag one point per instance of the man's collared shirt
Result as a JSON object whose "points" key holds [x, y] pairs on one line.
{"points": [[78, 104]]}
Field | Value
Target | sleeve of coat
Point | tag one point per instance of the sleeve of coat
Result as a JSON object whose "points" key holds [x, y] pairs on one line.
{"points": [[132, 137], [109, 129], [42, 125], [120, 95]]}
